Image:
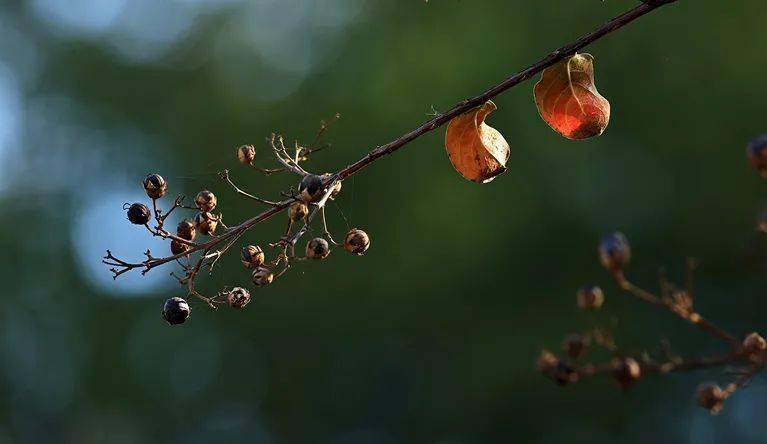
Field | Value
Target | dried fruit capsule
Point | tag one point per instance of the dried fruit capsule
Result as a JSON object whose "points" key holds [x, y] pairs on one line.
{"points": [[711, 397], [757, 154], [310, 188], [298, 211], [238, 297], [205, 201], [155, 186], [246, 154], [549, 365], [590, 298], [186, 230], [205, 222], [626, 371], [614, 252], [754, 343], [177, 247], [139, 214], [317, 248], [262, 276], [252, 256], [176, 311], [356, 242], [575, 345]]}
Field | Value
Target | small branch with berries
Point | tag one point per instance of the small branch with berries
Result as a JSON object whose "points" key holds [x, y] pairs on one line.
{"points": [[749, 354], [193, 256]]}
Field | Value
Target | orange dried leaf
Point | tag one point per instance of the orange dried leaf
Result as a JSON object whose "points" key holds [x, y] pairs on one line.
{"points": [[568, 100], [477, 151]]}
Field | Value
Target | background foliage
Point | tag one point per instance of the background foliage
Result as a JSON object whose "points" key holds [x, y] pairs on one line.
{"points": [[431, 337]]}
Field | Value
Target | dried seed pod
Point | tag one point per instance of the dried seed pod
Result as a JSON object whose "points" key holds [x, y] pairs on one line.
{"points": [[590, 298], [246, 154], [139, 214], [186, 230], [177, 247], [757, 154], [155, 186], [298, 211], [238, 297], [711, 397], [262, 276], [310, 188], [547, 361], [575, 345], [626, 371], [252, 256], [205, 222], [356, 242], [551, 366], [568, 100], [317, 248], [205, 201], [176, 311], [754, 343], [614, 252], [477, 151]]}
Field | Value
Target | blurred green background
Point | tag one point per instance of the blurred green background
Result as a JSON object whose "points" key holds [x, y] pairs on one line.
{"points": [[432, 336]]}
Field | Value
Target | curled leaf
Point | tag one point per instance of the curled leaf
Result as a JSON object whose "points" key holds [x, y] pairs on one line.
{"points": [[477, 151], [568, 100]]}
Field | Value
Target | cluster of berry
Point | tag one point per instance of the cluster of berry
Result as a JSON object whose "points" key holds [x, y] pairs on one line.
{"points": [[313, 190]]}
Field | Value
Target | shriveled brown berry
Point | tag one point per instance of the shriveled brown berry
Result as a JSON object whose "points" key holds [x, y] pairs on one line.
{"points": [[177, 247], [205, 201], [298, 211], [626, 371], [317, 248], [246, 154], [238, 297], [176, 311], [139, 214], [310, 188], [356, 242], [711, 397], [252, 256], [754, 343], [547, 361], [575, 345], [614, 252], [262, 276], [205, 222], [551, 366], [757, 154], [155, 186], [590, 298], [186, 230]]}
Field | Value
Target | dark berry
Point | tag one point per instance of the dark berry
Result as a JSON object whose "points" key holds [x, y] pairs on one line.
{"points": [[317, 248], [238, 297], [252, 256], [139, 214], [614, 252], [176, 311], [711, 397], [205, 223], [310, 188], [298, 211], [155, 186], [356, 242], [626, 371], [205, 201], [757, 154], [186, 230], [246, 154], [262, 276], [590, 298], [177, 247]]}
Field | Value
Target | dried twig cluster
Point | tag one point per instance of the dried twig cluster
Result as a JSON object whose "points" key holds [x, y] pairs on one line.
{"points": [[746, 355], [192, 255]]}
